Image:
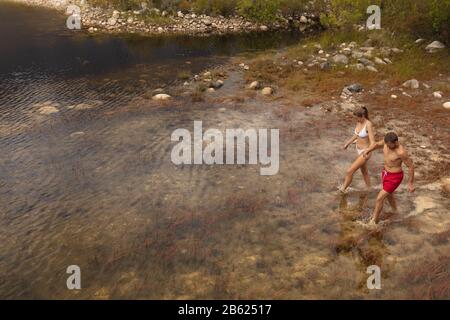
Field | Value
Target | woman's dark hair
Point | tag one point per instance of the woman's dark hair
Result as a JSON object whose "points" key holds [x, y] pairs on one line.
{"points": [[362, 112]]}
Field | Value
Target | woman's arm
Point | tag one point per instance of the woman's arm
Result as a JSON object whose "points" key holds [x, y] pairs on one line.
{"points": [[377, 145], [349, 142]]}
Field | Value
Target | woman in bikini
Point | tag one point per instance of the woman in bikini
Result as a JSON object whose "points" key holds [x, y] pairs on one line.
{"points": [[364, 137]]}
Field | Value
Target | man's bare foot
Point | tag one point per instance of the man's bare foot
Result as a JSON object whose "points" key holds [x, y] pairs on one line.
{"points": [[368, 225], [341, 190]]}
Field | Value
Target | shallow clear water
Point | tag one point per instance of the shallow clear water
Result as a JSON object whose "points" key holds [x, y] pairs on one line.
{"points": [[110, 200]]}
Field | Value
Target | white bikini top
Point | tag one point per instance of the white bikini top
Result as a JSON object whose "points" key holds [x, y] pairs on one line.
{"points": [[363, 133]]}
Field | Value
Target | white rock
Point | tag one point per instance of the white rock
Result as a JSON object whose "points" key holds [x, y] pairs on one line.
{"points": [[267, 91], [340, 59], [161, 96], [407, 95], [437, 94], [263, 28], [434, 46], [371, 68], [379, 61], [254, 85], [77, 134], [303, 19], [48, 110], [420, 40], [412, 84], [112, 21], [210, 90], [180, 14], [447, 105], [394, 96]]}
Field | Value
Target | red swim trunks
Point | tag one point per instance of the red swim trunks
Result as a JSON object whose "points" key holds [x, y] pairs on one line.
{"points": [[391, 180]]}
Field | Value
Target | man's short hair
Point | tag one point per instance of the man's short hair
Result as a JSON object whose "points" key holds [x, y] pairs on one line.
{"points": [[391, 137]]}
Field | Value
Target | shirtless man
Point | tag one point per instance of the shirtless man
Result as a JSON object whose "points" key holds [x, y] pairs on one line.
{"points": [[394, 155]]}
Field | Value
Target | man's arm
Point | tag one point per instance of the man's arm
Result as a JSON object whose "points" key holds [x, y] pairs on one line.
{"points": [[374, 146], [410, 164]]}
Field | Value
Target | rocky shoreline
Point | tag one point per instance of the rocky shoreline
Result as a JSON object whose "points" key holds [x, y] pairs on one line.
{"points": [[155, 21]]}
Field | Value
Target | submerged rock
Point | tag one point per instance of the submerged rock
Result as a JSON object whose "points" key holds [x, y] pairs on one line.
{"points": [[447, 105], [48, 110], [255, 85], [161, 96], [77, 134], [267, 91]]}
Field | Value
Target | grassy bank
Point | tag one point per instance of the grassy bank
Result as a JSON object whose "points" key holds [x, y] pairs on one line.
{"points": [[427, 18], [412, 62]]}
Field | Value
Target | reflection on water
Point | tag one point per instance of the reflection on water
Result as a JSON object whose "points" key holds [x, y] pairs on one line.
{"points": [[97, 189]]}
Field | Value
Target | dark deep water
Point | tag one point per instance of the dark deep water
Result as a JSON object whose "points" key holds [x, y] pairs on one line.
{"points": [[37, 51]]}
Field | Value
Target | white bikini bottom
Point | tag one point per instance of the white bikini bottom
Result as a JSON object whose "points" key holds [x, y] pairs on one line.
{"points": [[360, 151]]}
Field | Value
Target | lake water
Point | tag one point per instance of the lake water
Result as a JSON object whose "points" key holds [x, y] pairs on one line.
{"points": [[95, 186]]}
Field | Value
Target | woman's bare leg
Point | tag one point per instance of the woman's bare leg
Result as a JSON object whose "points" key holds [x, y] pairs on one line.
{"points": [[359, 162], [365, 173]]}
